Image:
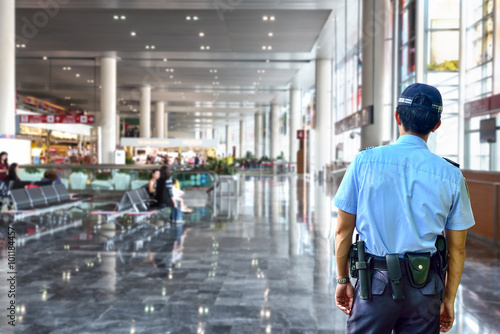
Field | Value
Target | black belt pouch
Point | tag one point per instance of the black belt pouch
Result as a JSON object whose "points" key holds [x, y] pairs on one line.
{"points": [[418, 266], [395, 276]]}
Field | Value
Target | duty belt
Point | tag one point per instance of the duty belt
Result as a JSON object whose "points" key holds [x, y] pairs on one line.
{"points": [[380, 263]]}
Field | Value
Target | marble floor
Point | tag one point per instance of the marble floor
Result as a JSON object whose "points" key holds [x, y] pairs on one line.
{"points": [[258, 263]]}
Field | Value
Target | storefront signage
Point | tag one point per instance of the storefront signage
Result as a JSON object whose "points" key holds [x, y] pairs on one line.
{"points": [[358, 119], [164, 142], [486, 106], [302, 134], [55, 119]]}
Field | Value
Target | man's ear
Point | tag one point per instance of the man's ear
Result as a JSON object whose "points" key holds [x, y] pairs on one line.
{"points": [[436, 127], [398, 119]]}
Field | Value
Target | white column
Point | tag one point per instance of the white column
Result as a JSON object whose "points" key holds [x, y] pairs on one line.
{"points": [[108, 109], [242, 138], [118, 132], [295, 104], [323, 130], [376, 74], [160, 120], [258, 135], [165, 128], [145, 113], [228, 142], [275, 131], [7, 68]]}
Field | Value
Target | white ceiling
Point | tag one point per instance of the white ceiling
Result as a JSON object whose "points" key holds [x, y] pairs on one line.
{"points": [[247, 80]]}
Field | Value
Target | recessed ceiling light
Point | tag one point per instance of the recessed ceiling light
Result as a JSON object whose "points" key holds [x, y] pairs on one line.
{"points": [[123, 17], [164, 59], [133, 33], [116, 17], [77, 75], [272, 18], [44, 58], [208, 47], [265, 18], [195, 18], [202, 34], [147, 47], [216, 78], [270, 34], [153, 47], [267, 60], [202, 47], [188, 18], [264, 47], [171, 77]]}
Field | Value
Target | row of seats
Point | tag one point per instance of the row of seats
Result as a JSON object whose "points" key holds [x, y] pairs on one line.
{"points": [[35, 197]]}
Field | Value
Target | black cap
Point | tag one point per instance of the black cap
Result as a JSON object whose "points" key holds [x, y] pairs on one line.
{"points": [[416, 93]]}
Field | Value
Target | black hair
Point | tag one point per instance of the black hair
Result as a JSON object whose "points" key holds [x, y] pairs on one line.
{"points": [[418, 120], [6, 159], [164, 173], [12, 171], [154, 171]]}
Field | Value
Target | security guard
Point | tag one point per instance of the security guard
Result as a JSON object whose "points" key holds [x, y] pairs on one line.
{"points": [[401, 198]]}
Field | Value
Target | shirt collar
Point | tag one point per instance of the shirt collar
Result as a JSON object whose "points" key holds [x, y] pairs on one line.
{"points": [[412, 139]]}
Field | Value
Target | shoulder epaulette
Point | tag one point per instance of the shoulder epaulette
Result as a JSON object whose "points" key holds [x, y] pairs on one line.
{"points": [[452, 162], [369, 148]]}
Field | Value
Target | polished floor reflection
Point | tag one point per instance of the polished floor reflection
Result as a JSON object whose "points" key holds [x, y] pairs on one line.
{"points": [[259, 263]]}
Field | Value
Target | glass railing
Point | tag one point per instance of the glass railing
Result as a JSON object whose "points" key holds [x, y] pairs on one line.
{"points": [[110, 178]]}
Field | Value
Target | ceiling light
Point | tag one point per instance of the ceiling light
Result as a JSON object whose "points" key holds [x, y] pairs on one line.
{"points": [[195, 18], [208, 47], [123, 17], [265, 18], [77, 75], [267, 60], [264, 47], [216, 78], [270, 34], [133, 34], [147, 47], [171, 77], [202, 47], [164, 59], [211, 71], [153, 47], [116, 17], [269, 47], [202, 34], [188, 18], [44, 58], [272, 18]]}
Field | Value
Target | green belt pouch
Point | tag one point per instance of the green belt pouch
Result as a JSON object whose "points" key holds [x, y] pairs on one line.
{"points": [[418, 265]]}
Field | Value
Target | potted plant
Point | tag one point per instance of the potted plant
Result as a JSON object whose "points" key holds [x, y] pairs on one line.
{"points": [[102, 180], [78, 178], [31, 174]]}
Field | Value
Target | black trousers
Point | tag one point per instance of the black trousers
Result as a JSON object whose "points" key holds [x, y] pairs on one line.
{"points": [[417, 313]]}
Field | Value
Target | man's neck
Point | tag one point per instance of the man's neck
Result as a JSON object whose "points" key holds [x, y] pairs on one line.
{"points": [[402, 132]]}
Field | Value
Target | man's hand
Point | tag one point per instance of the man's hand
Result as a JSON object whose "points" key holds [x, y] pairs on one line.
{"points": [[447, 315], [344, 296]]}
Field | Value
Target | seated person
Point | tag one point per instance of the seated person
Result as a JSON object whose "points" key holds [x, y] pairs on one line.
{"points": [[50, 176], [12, 174], [155, 175]]}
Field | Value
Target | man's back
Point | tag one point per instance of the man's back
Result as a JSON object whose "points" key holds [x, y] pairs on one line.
{"points": [[405, 196]]}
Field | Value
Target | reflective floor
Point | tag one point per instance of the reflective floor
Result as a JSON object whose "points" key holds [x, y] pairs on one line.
{"points": [[259, 263]]}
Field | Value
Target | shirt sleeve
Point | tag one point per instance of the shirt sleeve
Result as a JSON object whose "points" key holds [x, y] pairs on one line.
{"points": [[346, 198], [461, 217]]}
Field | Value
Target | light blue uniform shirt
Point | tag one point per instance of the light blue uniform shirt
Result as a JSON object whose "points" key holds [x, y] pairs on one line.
{"points": [[403, 196]]}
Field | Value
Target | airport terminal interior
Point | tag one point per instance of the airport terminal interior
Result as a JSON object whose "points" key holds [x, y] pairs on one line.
{"points": [[257, 107]]}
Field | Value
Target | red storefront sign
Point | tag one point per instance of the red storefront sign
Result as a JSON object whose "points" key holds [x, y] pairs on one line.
{"points": [[358, 119], [302, 134], [486, 106], [56, 119]]}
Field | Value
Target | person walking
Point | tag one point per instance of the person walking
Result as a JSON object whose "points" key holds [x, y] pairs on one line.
{"points": [[401, 198]]}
